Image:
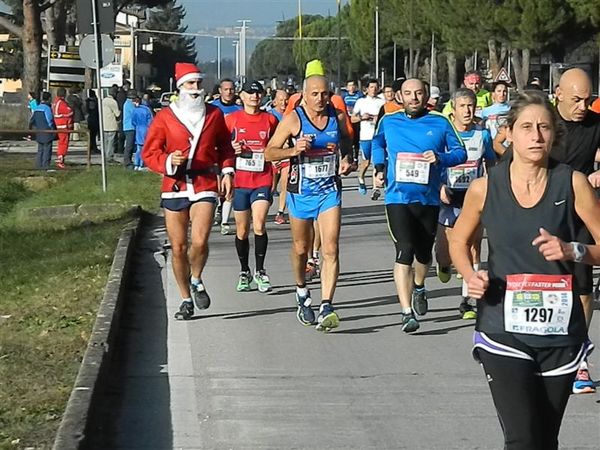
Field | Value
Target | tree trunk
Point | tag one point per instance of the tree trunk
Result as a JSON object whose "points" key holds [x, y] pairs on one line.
{"points": [[469, 62], [417, 56], [434, 67], [525, 66], [406, 68], [451, 62], [497, 59], [520, 60], [32, 46]]}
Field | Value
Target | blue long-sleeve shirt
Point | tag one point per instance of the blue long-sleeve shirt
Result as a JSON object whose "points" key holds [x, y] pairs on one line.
{"points": [[128, 108], [141, 119], [400, 141]]}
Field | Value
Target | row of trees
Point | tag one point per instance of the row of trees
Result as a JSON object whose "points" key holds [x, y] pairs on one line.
{"points": [[493, 29], [30, 20]]}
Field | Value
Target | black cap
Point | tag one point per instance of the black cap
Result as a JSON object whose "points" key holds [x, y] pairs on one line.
{"points": [[253, 87]]}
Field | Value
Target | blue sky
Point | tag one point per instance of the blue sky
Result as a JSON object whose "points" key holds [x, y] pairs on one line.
{"points": [[264, 14]]}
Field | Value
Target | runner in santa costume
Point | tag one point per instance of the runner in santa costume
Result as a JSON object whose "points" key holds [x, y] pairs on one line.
{"points": [[189, 144]]}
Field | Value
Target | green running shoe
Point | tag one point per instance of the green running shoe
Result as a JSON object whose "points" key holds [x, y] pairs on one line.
{"points": [[262, 281], [244, 282], [443, 273]]}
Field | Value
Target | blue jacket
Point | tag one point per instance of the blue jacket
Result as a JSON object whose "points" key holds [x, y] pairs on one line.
{"points": [[42, 119], [141, 119]]}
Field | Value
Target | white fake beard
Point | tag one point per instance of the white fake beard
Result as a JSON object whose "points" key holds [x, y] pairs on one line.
{"points": [[195, 108]]}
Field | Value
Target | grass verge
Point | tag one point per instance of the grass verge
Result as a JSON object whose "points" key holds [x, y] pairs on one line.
{"points": [[53, 276]]}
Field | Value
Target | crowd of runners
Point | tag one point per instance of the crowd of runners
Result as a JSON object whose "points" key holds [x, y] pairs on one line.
{"points": [[520, 172]]}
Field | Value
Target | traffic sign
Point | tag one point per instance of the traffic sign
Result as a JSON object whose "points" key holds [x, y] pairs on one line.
{"points": [[65, 68], [503, 76], [87, 50], [105, 13]]}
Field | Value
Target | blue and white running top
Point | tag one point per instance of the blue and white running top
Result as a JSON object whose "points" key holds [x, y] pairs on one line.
{"points": [[315, 172], [478, 143], [399, 144]]}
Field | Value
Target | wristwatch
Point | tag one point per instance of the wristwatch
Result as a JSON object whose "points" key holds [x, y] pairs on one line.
{"points": [[579, 250]]}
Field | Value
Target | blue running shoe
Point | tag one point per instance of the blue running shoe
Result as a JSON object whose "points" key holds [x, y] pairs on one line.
{"points": [[200, 296], [328, 319], [305, 314], [362, 188], [419, 301], [185, 312], [409, 323], [583, 383]]}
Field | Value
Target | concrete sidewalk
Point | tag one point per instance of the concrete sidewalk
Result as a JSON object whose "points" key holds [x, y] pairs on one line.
{"points": [[246, 375]]}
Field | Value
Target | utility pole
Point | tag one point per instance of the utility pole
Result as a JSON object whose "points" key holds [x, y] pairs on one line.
{"points": [[133, 56], [98, 49], [236, 45], [219, 57], [339, 45], [242, 47], [377, 39]]}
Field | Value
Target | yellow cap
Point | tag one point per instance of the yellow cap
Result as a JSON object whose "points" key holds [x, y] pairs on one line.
{"points": [[314, 67]]}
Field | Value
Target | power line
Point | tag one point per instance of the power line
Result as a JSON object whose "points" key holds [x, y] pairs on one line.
{"points": [[235, 36]]}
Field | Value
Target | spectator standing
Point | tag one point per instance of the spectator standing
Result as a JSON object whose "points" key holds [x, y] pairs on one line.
{"points": [[93, 119], [110, 119], [128, 129], [32, 102], [141, 120], [76, 104], [63, 118], [42, 119], [121, 97]]}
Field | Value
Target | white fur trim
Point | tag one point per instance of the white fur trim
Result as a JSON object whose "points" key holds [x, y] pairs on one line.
{"points": [[170, 169], [189, 76]]}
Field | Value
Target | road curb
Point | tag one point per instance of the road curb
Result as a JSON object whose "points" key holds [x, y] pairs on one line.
{"points": [[93, 370]]}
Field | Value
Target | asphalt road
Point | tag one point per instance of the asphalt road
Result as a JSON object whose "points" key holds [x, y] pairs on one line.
{"points": [[246, 375]]}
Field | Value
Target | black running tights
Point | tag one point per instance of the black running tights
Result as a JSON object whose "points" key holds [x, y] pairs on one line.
{"points": [[530, 407]]}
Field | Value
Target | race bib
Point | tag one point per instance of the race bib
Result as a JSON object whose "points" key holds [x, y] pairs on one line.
{"points": [[254, 164], [320, 167], [459, 177], [412, 168], [538, 304]]}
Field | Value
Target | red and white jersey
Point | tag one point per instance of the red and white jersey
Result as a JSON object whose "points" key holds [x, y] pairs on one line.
{"points": [[206, 145], [253, 131]]}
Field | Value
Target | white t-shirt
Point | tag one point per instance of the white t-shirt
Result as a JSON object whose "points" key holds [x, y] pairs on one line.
{"points": [[368, 105]]}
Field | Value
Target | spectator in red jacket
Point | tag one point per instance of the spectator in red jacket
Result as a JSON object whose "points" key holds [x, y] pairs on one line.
{"points": [[63, 118]]}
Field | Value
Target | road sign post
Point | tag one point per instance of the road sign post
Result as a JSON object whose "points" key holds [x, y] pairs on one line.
{"points": [[98, 81]]}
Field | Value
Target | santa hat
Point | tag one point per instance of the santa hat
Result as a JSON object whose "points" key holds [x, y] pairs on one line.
{"points": [[186, 72]]}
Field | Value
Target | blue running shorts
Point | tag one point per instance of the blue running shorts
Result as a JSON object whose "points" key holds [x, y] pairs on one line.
{"points": [[179, 204], [243, 198], [308, 207], [365, 149]]}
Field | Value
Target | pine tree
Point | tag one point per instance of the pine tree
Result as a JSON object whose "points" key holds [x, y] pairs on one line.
{"points": [[169, 49]]}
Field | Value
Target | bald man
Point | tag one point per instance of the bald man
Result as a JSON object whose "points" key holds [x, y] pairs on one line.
{"points": [[580, 151], [412, 148], [321, 152]]}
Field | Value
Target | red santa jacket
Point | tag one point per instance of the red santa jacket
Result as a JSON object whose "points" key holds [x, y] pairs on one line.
{"points": [[208, 148], [63, 114]]}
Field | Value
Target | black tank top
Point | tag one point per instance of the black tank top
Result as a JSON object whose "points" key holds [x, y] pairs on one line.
{"points": [[510, 230]]}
